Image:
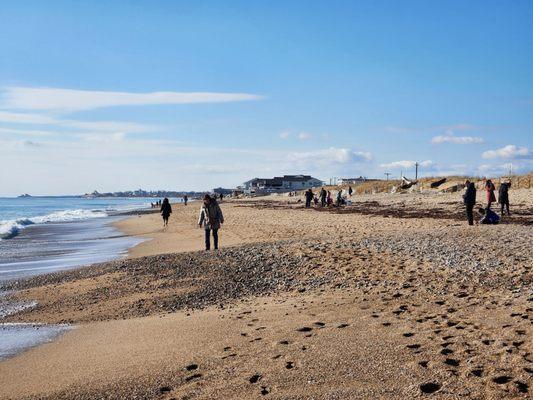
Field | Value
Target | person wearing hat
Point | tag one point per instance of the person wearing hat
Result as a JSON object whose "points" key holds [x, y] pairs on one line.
{"points": [[210, 218]]}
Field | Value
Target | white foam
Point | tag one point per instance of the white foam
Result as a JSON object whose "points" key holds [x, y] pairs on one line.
{"points": [[10, 228]]}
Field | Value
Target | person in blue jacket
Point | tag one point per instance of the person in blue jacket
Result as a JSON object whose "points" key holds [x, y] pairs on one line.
{"points": [[489, 217]]}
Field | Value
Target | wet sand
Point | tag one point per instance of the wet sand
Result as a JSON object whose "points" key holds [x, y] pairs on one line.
{"points": [[298, 304]]}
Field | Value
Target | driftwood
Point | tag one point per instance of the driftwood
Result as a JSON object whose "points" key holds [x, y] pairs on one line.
{"points": [[406, 183], [436, 184]]}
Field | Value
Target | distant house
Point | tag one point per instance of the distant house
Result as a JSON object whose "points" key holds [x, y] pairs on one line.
{"points": [[223, 191], [353, 181], [280, 184]]}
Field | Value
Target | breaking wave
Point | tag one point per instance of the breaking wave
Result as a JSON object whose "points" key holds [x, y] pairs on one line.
{"points": [[11, 228]]}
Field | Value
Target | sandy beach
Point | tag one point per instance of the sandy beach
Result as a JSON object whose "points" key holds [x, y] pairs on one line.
{"points": [[392, 297]]}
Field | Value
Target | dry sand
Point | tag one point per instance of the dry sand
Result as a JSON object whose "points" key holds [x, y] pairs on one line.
{"points": [[393, 302]]}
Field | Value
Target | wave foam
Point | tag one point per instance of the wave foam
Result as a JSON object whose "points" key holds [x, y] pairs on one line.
{"points": [[11, 228]]}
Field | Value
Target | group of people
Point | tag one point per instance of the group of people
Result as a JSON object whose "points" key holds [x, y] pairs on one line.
{"points": [[210, 219], [325, 198], [488, 216], [156, 204]]}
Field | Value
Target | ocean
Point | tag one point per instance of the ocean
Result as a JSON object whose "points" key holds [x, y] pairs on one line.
{"points": [[47, 234]]}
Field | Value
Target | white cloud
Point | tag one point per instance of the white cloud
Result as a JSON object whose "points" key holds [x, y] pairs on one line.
{"points": [[29, 98], [285, 134], [331, 155], [407, 164], [509, 152], [304, 136], [449, 137], [25, 118]]}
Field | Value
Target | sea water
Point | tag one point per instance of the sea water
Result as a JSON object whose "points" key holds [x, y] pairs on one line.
{"points": [[48, 234]]}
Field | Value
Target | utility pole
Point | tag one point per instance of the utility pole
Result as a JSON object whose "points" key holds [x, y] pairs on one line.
{"points": [[416, 170], [387, 174]]}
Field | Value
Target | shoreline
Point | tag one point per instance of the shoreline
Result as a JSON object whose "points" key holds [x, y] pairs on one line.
{"points": [[397, 288]]}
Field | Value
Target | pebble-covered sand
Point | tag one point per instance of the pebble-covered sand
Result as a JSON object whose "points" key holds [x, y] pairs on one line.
{"points": [[383, 299]]}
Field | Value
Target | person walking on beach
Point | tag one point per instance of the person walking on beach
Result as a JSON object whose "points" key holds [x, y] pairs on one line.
{"points": [[323, 197], [329, 199], [469, 199], [503, 196], [491, 198], [185, 199], [210, 218], [339, 198], [166, 210], [308, 198], [350, 191]]}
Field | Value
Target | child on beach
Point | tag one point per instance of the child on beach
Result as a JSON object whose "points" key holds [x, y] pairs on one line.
{"points": [[166, 210]]}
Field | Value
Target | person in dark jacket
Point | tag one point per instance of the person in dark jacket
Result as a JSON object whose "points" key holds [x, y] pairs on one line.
{"points": [[210, 218], [489, 217], [503, 196], [308, 198], [350, 191], [491, 198], [469, 199], [166, 210], [323, 197]]}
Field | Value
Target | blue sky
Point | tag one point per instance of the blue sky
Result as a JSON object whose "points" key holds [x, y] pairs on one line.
{"points": [[105, 95]]}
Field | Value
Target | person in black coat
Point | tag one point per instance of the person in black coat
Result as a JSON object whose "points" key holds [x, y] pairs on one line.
{"points": [[308, 198], [469, 199], [166, 210], [503, 196]]}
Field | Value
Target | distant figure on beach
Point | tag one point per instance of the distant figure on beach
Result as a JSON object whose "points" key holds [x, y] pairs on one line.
{"points": [[503, 196], [185, 199], [221, 196], [323, 197], [210, 218], [489, 217], [469, 199], [308, 198], [350, 191], [166, 210], [329, 199], [339, 198], [491, 198]]}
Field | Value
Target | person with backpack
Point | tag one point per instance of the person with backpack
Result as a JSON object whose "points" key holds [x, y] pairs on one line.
{"points": [[166, 210], [469, 198], [210, 218], [503, 196]]}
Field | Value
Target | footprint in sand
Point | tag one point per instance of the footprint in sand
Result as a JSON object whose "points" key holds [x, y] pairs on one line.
{"points": [[191, 367], [255, 378], [289, 365], [429, 387], [264, 390], [423, 364], [304, 329], [452, 362], [343, 326]]}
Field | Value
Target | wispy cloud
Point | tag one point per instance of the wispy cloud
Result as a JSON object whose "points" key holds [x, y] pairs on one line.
{"points": [[43, 98], [459, 127], [304, 136], [450, 137], [285, 135], [331, 155], [509, 152]]}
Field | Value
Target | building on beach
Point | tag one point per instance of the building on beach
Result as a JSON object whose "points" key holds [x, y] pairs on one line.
{"points": [[353, 181], [280, 184]]}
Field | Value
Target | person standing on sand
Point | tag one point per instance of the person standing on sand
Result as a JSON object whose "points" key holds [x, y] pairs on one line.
{"points": [[491, 198], [469, 199], [350, 191], [185, 199], [308, 198], [503, 196], [166, 210], [211, 218], [323, 197]]}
